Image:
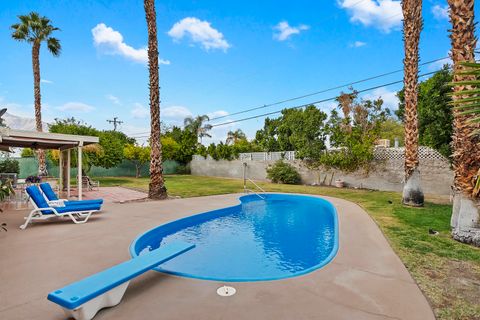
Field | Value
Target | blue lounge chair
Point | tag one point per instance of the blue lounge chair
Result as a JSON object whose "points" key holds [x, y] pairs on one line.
{"points": [[44, 211], [83, 299], [52, 197]]}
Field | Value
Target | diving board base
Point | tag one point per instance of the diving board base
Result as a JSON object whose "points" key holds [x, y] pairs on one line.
{"points": [[89, 309]]}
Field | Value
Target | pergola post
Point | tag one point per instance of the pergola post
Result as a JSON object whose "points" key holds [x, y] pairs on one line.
{"points": [[60, 170], [80, 178], [68, 173]]}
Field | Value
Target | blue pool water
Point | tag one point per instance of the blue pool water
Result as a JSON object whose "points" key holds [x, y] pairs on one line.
{"points": [[279, 237]]}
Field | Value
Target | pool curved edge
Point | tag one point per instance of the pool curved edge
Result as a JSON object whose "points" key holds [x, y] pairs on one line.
{"points": [[326, 261]]}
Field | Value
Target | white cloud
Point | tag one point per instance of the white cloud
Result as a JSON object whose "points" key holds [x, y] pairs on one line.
{"points": [[113, 99], [389, 98], [384, 15], [218, 113], [139, 111], [46, 81], [111, 41], [285, 31], [76, 106], [358, 44], [440, 12], [200, 32], [176, 113]]}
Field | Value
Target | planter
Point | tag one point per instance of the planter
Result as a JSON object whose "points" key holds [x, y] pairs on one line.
{"points": [[339, 183]]}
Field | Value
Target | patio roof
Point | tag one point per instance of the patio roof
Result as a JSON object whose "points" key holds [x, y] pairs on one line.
{"points": [[42, 140]]}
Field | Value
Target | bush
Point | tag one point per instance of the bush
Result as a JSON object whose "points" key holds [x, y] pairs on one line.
{"points": [[27, 153], [9, 166], [282, 172]]}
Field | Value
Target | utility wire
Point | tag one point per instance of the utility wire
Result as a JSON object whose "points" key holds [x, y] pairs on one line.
{"points": [[324, 90], [315, 102], [142, 134]]}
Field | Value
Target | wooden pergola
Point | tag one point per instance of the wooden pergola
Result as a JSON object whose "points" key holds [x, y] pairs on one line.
{"points": [[10, 138]]}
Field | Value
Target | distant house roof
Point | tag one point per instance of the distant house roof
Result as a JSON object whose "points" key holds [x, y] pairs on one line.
{"points": [[41, 140]]}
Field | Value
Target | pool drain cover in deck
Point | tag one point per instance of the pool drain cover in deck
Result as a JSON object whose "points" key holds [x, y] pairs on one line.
{"points": [[226, 291]]}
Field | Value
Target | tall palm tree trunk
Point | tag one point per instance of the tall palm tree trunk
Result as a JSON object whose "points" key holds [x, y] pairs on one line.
{"points": [[42, 167], [156, 188], [466, 147], [412, 25]]}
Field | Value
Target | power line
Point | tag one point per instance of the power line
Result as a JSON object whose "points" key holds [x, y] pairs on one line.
{"points": [[142, 134], [324, 90], [315, 102]]}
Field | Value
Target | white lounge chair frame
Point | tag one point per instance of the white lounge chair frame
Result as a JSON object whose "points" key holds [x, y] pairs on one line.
{"points": [[36, 214]]}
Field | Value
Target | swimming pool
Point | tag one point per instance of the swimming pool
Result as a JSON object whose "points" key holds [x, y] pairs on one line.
{"points": [[277, 237]]}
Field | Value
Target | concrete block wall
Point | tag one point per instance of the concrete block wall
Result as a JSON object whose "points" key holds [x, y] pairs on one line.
{"points": [[387, 175]]}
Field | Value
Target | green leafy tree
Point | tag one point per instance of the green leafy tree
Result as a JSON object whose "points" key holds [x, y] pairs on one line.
{"points": [[353, 134], [392, 129], [36, 30], [435, 116], [139, 155], [301, 130], [107, 154], [236, 136], [112, 146], [187, 143], [27, 153], [170, 148]]}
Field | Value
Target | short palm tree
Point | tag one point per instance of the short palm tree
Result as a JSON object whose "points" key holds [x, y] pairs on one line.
{"points": [[412, 25], [198, 126], [35, 30], [156, 187], [466, 143], [235, 136]]}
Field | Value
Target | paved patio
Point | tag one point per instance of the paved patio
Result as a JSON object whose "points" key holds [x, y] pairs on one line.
{"points": [[113, 194], [366, 280]]}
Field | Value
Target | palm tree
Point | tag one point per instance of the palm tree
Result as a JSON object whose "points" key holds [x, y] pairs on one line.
{"points": [[235, 136], [156, 187], [35, 29], [198, 127], [466, 144], [412, 25]]}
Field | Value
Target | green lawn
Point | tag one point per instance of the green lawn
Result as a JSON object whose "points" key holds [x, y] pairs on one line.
{"points": [[447, 271]]}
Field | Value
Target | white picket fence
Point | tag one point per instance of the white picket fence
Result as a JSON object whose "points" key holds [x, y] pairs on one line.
{"points": [[381, 153]]}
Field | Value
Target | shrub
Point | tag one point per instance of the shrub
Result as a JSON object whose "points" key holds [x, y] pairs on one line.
{"points": [[27, 153], [9, 166], [282, 172]]}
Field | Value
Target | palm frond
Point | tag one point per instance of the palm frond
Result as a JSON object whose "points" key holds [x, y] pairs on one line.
{"points": [[54, 46], [34, 28]]}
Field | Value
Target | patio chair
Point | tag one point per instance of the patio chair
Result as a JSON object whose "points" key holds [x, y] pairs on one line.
{"points": [[52, 198], [43, 211], [90, 184]]}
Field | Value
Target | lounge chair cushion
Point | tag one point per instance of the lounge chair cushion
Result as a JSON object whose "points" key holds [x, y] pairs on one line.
{"points": [[40, 201], [50, 194], [89, 207], [37, 197], [83, 202]]}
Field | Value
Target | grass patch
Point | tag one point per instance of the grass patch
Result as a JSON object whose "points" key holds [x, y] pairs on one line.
{"points": [[448, 272]]}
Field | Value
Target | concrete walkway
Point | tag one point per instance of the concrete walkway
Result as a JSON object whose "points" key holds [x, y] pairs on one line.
{"points": [[366, 280]]}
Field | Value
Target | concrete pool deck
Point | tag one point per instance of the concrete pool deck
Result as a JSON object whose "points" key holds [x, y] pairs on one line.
{"points": [[366, 280]]}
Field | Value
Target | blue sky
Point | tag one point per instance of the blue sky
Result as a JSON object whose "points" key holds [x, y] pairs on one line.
{"points": [[217, 57]]}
